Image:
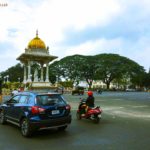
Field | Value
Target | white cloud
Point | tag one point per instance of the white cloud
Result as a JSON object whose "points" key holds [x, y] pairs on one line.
{"points": [[20, 20], [138, 52], [96, 47], [51, 18]]}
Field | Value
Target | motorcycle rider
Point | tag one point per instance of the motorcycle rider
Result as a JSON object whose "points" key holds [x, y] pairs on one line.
{"points": [[87, 110], [90, 100]]}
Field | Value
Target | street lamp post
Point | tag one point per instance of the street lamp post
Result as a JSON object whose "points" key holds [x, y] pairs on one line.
{"points": [[4, 79], [19, 80], [19, 84], [7, 78]]}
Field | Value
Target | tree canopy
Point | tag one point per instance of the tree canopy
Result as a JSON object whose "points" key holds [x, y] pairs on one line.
{"points": [[114, 66], [15, 73], [105, 67]]}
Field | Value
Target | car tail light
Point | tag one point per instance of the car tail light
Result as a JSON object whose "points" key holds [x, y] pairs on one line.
{"points": [[68, 107], [37, 110]]}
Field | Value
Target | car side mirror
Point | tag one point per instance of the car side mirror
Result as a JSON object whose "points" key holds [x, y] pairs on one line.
{"points": [[10, 102]]}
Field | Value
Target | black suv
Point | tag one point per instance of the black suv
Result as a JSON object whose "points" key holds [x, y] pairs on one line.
{"points": [[35, 111], [78, 90]]}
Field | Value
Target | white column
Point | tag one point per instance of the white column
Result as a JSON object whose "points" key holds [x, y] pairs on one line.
{"points": [[36, 75], [42, 80], [47, 72], [25, 74], [29, 72]]}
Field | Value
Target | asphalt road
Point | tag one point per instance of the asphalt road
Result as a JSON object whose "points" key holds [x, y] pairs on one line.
{"points": [[125, 125]]}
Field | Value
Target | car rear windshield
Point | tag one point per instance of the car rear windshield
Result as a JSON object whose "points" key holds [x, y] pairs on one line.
{"points": [[46, 100]]}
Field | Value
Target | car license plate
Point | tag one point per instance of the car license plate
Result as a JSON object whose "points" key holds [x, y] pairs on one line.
{"points": [[55, 112]]}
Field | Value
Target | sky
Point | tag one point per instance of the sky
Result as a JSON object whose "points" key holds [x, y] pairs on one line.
{"points": [[69, 27]]}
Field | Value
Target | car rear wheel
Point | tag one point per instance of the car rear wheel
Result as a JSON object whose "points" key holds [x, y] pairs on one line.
{"points": [[25, 128], [2, 117]]}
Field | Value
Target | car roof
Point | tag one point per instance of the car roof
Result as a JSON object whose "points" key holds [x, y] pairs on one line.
{"points": [[37, 93]]}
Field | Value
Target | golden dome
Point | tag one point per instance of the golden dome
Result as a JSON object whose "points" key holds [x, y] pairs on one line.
{"points": [[36, 43]]}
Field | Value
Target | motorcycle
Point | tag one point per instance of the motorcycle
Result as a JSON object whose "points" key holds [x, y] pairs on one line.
{"points": [[93, 114]]}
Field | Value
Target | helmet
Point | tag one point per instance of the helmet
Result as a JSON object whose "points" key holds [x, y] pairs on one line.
{"points": [[90, 93]]}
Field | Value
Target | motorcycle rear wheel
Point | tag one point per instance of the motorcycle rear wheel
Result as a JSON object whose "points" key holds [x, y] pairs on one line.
{"points": [[96, 120]]}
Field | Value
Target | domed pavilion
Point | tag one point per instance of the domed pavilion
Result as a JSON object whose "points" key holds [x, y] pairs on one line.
{"points": [[36, 61]]}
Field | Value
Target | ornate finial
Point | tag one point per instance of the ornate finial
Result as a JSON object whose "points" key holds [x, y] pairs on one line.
{"points": [[36, 33]]}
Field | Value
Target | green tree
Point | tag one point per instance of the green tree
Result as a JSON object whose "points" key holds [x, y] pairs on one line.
{"points": [[146, 80], [88, 70], [15, 73], [69, 68], [113, 66], [75, 68], [56, 71]]}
